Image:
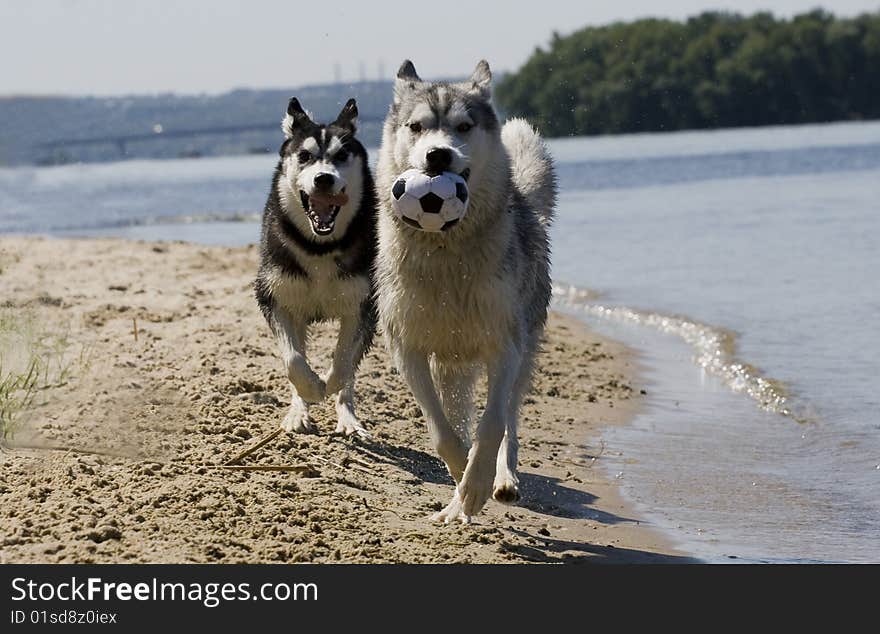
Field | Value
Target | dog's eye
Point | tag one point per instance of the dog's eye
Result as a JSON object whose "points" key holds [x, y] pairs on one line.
{"points": [[341, 156], [304, 157], [415, 126], [464, 127]]}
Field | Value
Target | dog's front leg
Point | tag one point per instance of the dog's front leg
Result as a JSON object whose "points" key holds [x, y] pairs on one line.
{"points": [[350, 347], [341, 371], [414, 367], [297, 418], [506, 487], [475, 487], [291, 336]]}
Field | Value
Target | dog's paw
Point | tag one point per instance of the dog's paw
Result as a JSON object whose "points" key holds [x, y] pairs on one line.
{"points": [[297, 420], [452, 512], [349, 425], [506, 488]]}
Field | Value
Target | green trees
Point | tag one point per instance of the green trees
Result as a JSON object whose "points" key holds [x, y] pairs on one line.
{"points": [[714, 70]]}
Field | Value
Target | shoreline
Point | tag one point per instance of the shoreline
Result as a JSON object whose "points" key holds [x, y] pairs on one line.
{"points": [[170, 371]]}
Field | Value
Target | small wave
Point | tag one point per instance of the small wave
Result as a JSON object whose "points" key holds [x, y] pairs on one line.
{"points": [[182, 219], [715, 348], [186, 219]]}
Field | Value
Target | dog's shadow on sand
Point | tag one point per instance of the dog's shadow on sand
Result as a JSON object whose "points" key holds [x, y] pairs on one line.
{"points": [[552, 550], [539, 493], [549, 496], [422, 465]]}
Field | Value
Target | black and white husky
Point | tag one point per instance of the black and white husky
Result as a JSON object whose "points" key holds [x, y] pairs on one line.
{"points": [[472, 297], [316, 255]]}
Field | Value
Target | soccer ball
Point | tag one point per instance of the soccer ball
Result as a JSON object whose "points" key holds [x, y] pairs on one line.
{"points": [[429, 203]]}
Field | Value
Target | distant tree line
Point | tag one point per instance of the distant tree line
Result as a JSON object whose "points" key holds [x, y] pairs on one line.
{"points": [[714, 70]]}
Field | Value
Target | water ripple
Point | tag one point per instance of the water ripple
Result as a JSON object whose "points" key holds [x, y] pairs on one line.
{"points": [[714, 347]]}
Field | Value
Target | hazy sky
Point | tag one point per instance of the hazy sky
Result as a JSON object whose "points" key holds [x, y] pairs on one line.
{"points": [[193, 46]]}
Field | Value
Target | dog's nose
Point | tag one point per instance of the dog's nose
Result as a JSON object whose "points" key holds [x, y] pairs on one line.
{"points": [[324, 180], [439, 159]]}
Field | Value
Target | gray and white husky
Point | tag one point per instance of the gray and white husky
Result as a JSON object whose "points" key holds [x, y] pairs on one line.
{"points": [[317, 249], [475, 296]]}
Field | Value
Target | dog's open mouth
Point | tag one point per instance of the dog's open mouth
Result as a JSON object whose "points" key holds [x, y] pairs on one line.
{"points": [[322, 208]]}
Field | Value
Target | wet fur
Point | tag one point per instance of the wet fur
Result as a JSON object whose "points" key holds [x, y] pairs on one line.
{"points": [[476, 296]]}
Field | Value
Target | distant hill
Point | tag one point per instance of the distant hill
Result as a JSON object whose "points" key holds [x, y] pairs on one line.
{"points": [[50, 130], [712, 70]]}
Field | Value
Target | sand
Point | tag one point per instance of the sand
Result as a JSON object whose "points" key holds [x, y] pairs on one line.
{"points": [[164, 370]]}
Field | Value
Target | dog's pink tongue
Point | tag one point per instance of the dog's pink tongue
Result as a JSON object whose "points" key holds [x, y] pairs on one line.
{"points": [[323, 204]]}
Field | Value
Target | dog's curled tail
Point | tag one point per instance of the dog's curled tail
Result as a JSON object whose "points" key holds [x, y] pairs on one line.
{"points": [[532, 166]]}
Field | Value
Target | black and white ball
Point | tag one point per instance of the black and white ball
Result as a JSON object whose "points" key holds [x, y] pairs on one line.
{"points": [[429, 203]]}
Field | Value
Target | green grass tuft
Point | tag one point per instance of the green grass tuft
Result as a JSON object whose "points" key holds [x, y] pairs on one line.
{"points": [[32, 361], [17, 393]]}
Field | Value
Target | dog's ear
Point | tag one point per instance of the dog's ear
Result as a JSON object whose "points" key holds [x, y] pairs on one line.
{"points": [[408, 72], [407, 78], [295, 118], [481, 79], [348, 116]]}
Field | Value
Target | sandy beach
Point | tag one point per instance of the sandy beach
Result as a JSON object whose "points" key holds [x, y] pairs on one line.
{"points": [[157, 369]]}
